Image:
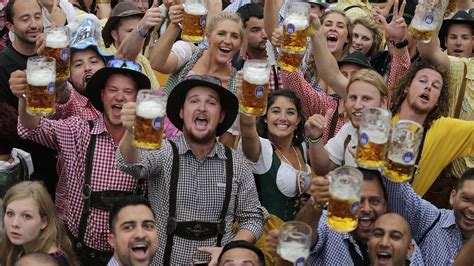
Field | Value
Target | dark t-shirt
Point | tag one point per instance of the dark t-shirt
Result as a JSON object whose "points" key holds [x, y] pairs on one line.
{"points": [[44, 159]]}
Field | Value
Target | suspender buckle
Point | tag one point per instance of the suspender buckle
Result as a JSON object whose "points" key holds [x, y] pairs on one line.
{"points": [[171, 226], [86, 191]]}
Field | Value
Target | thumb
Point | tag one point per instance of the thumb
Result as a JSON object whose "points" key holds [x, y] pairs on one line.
{"points": [[155, 3]]}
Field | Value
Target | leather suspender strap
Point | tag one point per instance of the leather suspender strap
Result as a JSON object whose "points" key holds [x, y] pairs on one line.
{"points": [[172, 205], [228, 189], [462, 90], [275, 77], [86, 189], [419, 155], [334, 118]]}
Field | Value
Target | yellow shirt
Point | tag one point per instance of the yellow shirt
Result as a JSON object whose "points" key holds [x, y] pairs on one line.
{"points": [[362, 9], [456, 76], [446, 140]]}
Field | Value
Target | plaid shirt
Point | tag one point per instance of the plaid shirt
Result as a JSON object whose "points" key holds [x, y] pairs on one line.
{"points": [[70, 137], [4, 40], [314, 101], [443, 242], [201, 192], [332, 248], [77, 105]]}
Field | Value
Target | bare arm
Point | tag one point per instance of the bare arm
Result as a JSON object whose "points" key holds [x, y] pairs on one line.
{"points": [[325, 61], [271, 15], [161, 58], [129, 152], [432, 52], [465, 256], [250, 139], [213, 8], [318, 155]]}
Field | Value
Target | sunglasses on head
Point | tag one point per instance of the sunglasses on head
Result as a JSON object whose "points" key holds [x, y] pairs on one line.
{"points": [[119, 63], [207, 78]]}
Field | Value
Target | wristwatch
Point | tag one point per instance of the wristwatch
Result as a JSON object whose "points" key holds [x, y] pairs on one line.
{"points": [[400, 44]]}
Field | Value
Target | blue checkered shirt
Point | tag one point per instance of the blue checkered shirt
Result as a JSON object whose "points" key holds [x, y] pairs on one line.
{"points": [[333, 248], [113, 262], [238, 3], [443, 241]]}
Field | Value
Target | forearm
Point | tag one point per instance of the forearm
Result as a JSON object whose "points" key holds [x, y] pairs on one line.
{"points": [[431, 52], [130, 153], [250, 139], [26, 120], [214, 7], [62, 92], [319, 158], [244, 234], [271, 16], [327, 66], [310, 215], [132, 46], [158, 59]]}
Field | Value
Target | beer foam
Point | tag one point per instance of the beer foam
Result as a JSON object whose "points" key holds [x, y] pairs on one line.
{"points": [[257, 76], [40, 77], [342, 193], [195, 9], [298, 21], [56, 40], [150, 109], [291, 251], [377, 137]]}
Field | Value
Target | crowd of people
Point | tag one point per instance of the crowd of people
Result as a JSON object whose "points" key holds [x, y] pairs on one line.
{"points": [[76, 190]]}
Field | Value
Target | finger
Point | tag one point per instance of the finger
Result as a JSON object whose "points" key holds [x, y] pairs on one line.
{"points": [[395, 9], [205, 249], [155, 3], [402, 8], [55, 3]]}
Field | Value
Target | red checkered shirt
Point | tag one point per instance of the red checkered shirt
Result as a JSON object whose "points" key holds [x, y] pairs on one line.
{"points": [[398, 67], [313, 101], [77, 105], [70, 137]]}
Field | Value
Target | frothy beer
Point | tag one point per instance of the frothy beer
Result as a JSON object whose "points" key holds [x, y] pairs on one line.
{"points": [[292, 253], [397, 170], [255, 90], [290, 62], [342, 211], [420, 32], [57, 46], [149, 124], [451, 7], [194, 22], [294, 34], [40, 97], [371, 149]]}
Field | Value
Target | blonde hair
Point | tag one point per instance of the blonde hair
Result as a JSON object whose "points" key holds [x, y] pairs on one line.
{"points": [[377, 33], [221, 16], [53, 234], [372, 77]]}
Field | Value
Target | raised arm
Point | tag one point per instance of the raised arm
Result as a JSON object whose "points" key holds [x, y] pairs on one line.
{"points": [[465, 256], [130, 153], [133, 44], [250, 140], [432, 52], [161, 57], [325, 61], [213, 8], [271, 15]]}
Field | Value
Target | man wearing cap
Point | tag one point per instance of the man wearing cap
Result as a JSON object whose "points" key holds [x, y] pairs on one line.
{"points": [[128, 22], [456, 35], [197, 186], [87, 149]]}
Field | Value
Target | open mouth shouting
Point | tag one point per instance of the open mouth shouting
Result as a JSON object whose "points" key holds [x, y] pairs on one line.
{"points": [[383, 257], [225, 50], [425, 97], [201, 122], [86, 78], [116, 109], [332, 38], [366, 222], [140, 250]]}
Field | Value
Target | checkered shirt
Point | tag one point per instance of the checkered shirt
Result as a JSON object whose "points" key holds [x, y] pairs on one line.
{"points": [[113, 262], [333, 248], [70, 137], [201, 190], [443, 242], [77, 105], [399, 66], [4, 40], [313, 101]]}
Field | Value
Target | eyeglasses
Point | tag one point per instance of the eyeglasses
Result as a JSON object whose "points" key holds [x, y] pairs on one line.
{"points": [[207, 78], [119, 63]]}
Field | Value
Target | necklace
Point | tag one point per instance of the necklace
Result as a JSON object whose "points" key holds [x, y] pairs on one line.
{"points": [[299, 177], [288, 161]]}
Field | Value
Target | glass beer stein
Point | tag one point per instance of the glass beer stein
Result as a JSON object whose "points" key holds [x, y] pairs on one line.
{"points": [[40, 76], [255, 87], [194, 21], [345, 184], [150, 120], [428, 16], [294, 243], [290, 62], [296, 22], [57, 46], [402, 151], [373, 137]]}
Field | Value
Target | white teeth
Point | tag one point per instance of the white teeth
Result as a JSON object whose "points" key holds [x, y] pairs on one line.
{"points": [[383, 253], [468, 216], [365, 218], [282, 126]]}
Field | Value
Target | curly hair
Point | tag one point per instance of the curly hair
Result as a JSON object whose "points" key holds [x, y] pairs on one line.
{"points": [[399, 93], [262, 126], [8, 134], [377, 33]]}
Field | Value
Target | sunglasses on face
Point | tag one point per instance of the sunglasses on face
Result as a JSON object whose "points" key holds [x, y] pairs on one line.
{"points": [[119, 63]]}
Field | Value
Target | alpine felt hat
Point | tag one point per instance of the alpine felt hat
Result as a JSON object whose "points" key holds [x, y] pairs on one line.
{"points": [[461, 17], [121, 10], [356, 58]]}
